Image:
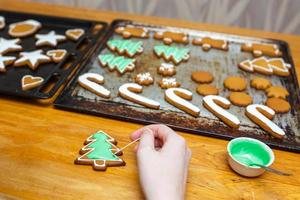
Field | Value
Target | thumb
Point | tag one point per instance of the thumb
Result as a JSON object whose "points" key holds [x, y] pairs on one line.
{"points": [[147, 139]]}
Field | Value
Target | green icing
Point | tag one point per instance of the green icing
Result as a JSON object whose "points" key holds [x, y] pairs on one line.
{"points": [[128, 46], [102, 148], [119, 62], [177, 54]]}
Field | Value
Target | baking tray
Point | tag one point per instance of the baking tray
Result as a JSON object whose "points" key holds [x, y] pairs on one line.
{"points": [[220, 63], [54, 74]]}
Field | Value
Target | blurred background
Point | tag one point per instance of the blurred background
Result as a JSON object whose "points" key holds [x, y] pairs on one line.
{"points": [[270, 15]]}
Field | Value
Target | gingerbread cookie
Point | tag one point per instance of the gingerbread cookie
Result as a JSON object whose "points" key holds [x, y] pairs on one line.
{"points": [[57, 55], [126, 47], [260, 83], [4, 61], [179, 98], [206, 89], [262, 115], [240, 99], [144, 79], [262, 49], [24, 28], [7, 46], [166, 69], [207, 43], [277, 92], [170, 53], [92, 82], [32, 59], [29, 82], [120, 63], [100, 151], [217, 105], [168, 83], [279, 67], [50, 39], [278, 105], [169, 37], [128, 91], [74, 34], [131, 31], [235, 83], [202, 77], [2, 22]]}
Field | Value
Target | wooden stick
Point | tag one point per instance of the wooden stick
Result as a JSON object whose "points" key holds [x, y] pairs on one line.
{"points": [[127, 145]]}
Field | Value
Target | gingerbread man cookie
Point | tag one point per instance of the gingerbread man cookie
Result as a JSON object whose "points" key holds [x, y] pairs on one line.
{"points": [[166, 69], [262, 49], [24, 28], [170, 53], [57, 55], [29, 82], [120, 63], [260, 83], [206, 89], [2, 22], [277, 92], [144, 79], [128, 91], [126, 47], [207, 43], [235, 83], [100, 151], [278, 105], [7, 46], [202, 77], [92, 82], [32, 59], [178, 97], [240, 99], [168, 83], [74, 34], [50, 39], [169, 37], [262, 115], [4, 61], [131, 31]]}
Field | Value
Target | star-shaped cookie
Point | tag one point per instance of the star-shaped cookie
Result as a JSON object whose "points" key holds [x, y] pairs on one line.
{"points": [[9, 45], [49, 39], [4, 61], [32, 59]]}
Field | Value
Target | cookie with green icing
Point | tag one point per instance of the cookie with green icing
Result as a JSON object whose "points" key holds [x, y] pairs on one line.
{"points": [[99, 151], [171, 53], [125, 47], [119, 63]]}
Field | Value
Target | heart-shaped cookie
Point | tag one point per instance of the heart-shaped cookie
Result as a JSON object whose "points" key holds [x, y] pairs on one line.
{"points": [[74, 34], [57, 55], [29, 82]]}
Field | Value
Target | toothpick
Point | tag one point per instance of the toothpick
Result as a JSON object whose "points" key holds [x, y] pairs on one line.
{"points": [[127, 145]]}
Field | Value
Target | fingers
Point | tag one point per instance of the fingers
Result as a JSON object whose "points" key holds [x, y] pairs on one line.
{"points": [[159, 131], [147, 139]]}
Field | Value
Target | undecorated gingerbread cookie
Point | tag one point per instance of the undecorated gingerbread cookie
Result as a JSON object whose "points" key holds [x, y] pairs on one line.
{"points": [[262, 49], [168, 37], [29, 82], [74, 34], [57, 55], [206, 89], [278, 105], [277, 92], [207, 43], [166, 83], [2, 22], [5, 61], [166, 69], [131, 31], [202, 77], [126, 47], [240, 99], [144, 79], [100, 151], [235, 83], [119, 63], [260, 83], [50, 39], [7, 46], [32, 59], [24, 28], [93, 82], [170, 53]]}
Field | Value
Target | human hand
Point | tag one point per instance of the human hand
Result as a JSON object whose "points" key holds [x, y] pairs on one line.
{"points": [[163, 158]]}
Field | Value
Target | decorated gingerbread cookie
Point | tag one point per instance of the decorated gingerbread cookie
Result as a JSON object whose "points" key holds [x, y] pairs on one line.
{"points": [[165, 83], [93, 82], [2, 22], [126, 47], [262, 49], [180, 98], [277, 92], [29, 82], [119, 63], [235, 83], [131, 31], [24, 28], [240, 99], [144, 79], [260, 83], [99, 151], [50, 39], [206, 89], [279, 67], [128, 91], [170, 53], [166, 69], [7, 46], [202, 77], [57, 55], [169, 37], [207, 43], [5, 61], [278, 105], [217, 105], [74, 34], [262, 115], [32, 59]]}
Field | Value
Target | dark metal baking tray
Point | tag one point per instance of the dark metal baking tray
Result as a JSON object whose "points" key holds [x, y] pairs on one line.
{"points": [[54, 74], [220, 63]]}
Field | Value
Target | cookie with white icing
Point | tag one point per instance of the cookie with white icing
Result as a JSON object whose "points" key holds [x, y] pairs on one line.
{"points": [[126, 47], [166, 69], [7, 46], [74, 34], [168, 37], [31, 59], [166, 83], [5, 61], [171, 53], [2, 22], [50, 39], [24, 28], [57, 55], [93, 82], [29, 82], [144, 79]]}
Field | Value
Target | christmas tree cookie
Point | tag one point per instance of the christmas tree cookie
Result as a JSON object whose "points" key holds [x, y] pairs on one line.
{"points": [[99, 152], [170, 53], [126, 47], [120, 63]]}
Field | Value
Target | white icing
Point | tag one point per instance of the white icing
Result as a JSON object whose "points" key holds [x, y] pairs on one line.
{"points": [[71, 34], [285, 65], [52, 53], [50, 38], [2, 22], [9, 45], [126, 92], [33, 84], [87, 80], [169, 82], [210, 101], [266, 69], [3, 60], [166, 67], [144, 77], [252, 109], [33, 57], [171, 94], [32, 22]]}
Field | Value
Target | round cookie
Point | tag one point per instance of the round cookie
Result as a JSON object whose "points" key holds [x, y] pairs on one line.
{"points": [[240, 99], [278, 105], [144, 79], [260, 83], [202, 77], [235, 83], [206, 89], [277, 92]]}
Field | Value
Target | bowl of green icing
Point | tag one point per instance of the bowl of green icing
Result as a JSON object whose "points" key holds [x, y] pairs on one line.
{"points": [[244, 153]]}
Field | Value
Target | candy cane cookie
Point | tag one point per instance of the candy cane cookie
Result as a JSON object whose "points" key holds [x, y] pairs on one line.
{"points": [[91, 82]]}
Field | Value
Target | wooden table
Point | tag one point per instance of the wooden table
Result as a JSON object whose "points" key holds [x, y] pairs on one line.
{"points": [[39, 143]]}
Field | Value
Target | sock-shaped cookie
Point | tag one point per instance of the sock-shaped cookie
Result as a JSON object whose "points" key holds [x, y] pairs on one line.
{"points": [[92, 81]]}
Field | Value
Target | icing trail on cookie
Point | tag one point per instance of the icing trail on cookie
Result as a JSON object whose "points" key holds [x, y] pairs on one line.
{"points": [[178, 97], [50, 38], [212, 100], [167, 67], [9, 45], [91, 81], [24, 28], [172, 53], [144, 77], [121, 63], [128, 90], [28, 82], [261, 115], [126, 46]]}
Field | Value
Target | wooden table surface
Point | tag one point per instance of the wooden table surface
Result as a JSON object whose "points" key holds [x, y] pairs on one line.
{"points": [[39, 143]]}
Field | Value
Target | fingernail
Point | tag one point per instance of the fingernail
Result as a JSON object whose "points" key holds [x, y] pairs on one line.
{"points": [[147, 131]]}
